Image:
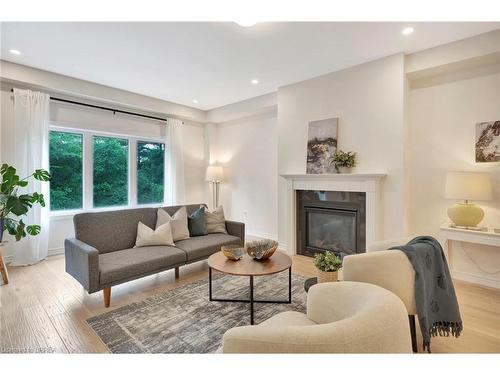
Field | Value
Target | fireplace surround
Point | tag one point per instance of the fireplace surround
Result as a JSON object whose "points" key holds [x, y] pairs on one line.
{"points": [[369, 183]]}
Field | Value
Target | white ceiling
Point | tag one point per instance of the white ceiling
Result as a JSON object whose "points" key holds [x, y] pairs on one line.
{"points": [[214, 62]]}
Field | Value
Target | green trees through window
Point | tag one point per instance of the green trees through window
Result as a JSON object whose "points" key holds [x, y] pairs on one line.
{"points": [[71, 160], [110, 171], [150, 172], [66, 168]]}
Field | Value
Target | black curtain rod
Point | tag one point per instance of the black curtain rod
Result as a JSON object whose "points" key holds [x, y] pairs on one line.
{"points": [[105, 108]]}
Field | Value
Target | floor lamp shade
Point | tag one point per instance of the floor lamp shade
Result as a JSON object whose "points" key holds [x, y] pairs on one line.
{"points": [[467, 186], [214, 173], [214, 176]]}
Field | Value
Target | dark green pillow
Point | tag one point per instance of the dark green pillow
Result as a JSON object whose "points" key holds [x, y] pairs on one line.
{"points": [[197, 224]]}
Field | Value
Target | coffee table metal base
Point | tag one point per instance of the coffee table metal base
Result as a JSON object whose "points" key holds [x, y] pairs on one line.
{"points": [[251, 301]]}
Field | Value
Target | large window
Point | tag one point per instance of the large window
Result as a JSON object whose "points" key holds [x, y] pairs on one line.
{"points": [[92, 170], [66, 168], [150, 172], [110, 171]]}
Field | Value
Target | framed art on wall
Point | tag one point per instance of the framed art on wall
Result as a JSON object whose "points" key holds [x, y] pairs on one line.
{"points": [[488, 142], [321, 145]]}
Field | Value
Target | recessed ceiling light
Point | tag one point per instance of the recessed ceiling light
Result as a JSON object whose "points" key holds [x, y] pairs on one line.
{"points": [[407, 30], [195, 101], [254, 81], [14, 51], [246, 23]]}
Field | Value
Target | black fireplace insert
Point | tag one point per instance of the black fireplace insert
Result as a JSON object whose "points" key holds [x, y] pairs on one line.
{"points": [[331, 221]]}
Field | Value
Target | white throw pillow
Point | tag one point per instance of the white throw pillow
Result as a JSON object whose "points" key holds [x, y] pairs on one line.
{"points": [[149, 237], [179, 222], [216, 223]]}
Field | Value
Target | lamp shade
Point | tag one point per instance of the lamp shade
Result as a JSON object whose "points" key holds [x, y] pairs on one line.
{"points": [[468, 186], [214, 173]]}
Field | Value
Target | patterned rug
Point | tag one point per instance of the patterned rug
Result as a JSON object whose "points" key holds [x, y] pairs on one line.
{"points": [[183, 320]]}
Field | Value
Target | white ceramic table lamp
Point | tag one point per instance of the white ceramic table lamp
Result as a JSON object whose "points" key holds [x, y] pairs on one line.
{"points": [[214, 176], [467, 186]]}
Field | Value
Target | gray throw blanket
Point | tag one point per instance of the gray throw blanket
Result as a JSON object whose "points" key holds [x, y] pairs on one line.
{"points": [[437, 306]]}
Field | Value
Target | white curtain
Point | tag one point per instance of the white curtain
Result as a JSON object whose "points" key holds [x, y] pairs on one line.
{"points": [[31, 136], [174, 166]]}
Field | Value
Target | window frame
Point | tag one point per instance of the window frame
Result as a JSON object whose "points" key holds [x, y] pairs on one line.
{"points": [[88, 170]]}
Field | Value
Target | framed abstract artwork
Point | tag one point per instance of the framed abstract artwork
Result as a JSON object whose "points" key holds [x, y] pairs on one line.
{"points": [[321, 145], [488, 142]]}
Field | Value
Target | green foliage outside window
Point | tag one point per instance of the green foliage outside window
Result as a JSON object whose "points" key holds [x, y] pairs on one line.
{"points": [[150, 172], [66, 156], [110, 171]]}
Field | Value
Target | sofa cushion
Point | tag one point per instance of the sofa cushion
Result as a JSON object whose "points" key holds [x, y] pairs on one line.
{"points": [[129, 263], [197, 223], [216, 223], [178, 222], [203, 246], [149, 237]]}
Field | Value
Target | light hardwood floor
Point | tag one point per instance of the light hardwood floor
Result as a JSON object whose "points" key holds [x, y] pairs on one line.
{"points": [[44, 309]]}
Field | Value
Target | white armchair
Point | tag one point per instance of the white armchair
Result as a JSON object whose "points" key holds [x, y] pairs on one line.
{"points": [[347, 317], [389, 269]]}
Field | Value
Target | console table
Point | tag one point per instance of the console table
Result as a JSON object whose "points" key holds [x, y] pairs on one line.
{"points": [[488, 237], [3, 266]]}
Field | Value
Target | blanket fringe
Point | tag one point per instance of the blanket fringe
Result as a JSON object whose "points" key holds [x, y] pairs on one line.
{"points": [[443, 329]]}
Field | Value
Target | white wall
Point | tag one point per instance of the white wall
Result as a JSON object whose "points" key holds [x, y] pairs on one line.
{"points": [[90, 119], [247, 149], [443, 114], [64, 85], [369, 102]]}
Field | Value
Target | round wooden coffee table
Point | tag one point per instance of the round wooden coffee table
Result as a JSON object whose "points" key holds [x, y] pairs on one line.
{"points": [[247, 266]]}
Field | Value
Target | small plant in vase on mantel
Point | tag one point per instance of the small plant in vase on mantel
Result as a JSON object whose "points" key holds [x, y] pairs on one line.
{"points": [[343, 161], [327, 264]]}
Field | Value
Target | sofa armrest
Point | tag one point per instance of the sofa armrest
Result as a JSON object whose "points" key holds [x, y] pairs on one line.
{"points": [[82, 262], [237, 229], [389, 269]]}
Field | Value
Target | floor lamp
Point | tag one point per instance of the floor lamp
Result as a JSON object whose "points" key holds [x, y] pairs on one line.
{"points": [[214, 176]]}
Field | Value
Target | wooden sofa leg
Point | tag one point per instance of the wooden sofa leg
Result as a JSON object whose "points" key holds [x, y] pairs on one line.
{"points": [[107, 296], [176, 272], [413, 333]]}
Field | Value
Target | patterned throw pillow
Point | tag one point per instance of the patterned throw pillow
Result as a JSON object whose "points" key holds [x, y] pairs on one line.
{"points": [[197, 223], [149, 237], [179, 222], [216, 223]]}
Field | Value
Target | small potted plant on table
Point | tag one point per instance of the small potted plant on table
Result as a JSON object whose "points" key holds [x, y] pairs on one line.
{"points": [[343, 161], [327, 264]]}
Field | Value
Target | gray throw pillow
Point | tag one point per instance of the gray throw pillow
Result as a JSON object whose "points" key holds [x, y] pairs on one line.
{"points": [[197, 223], [216, 223]]}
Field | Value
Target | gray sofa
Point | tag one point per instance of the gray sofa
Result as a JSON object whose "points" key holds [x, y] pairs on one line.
{"points": [[102, 254]]}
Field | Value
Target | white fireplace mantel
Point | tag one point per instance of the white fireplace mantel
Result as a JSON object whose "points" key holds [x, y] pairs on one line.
{"points": [[369, 183]]}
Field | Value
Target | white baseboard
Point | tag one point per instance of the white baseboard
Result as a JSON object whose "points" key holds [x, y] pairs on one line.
{"points": [[55, 251], [261, 235], [476, 279], [281, 245]]}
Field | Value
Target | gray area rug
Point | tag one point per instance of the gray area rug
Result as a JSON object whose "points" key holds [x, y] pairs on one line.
{"points": [[183, 320]]}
